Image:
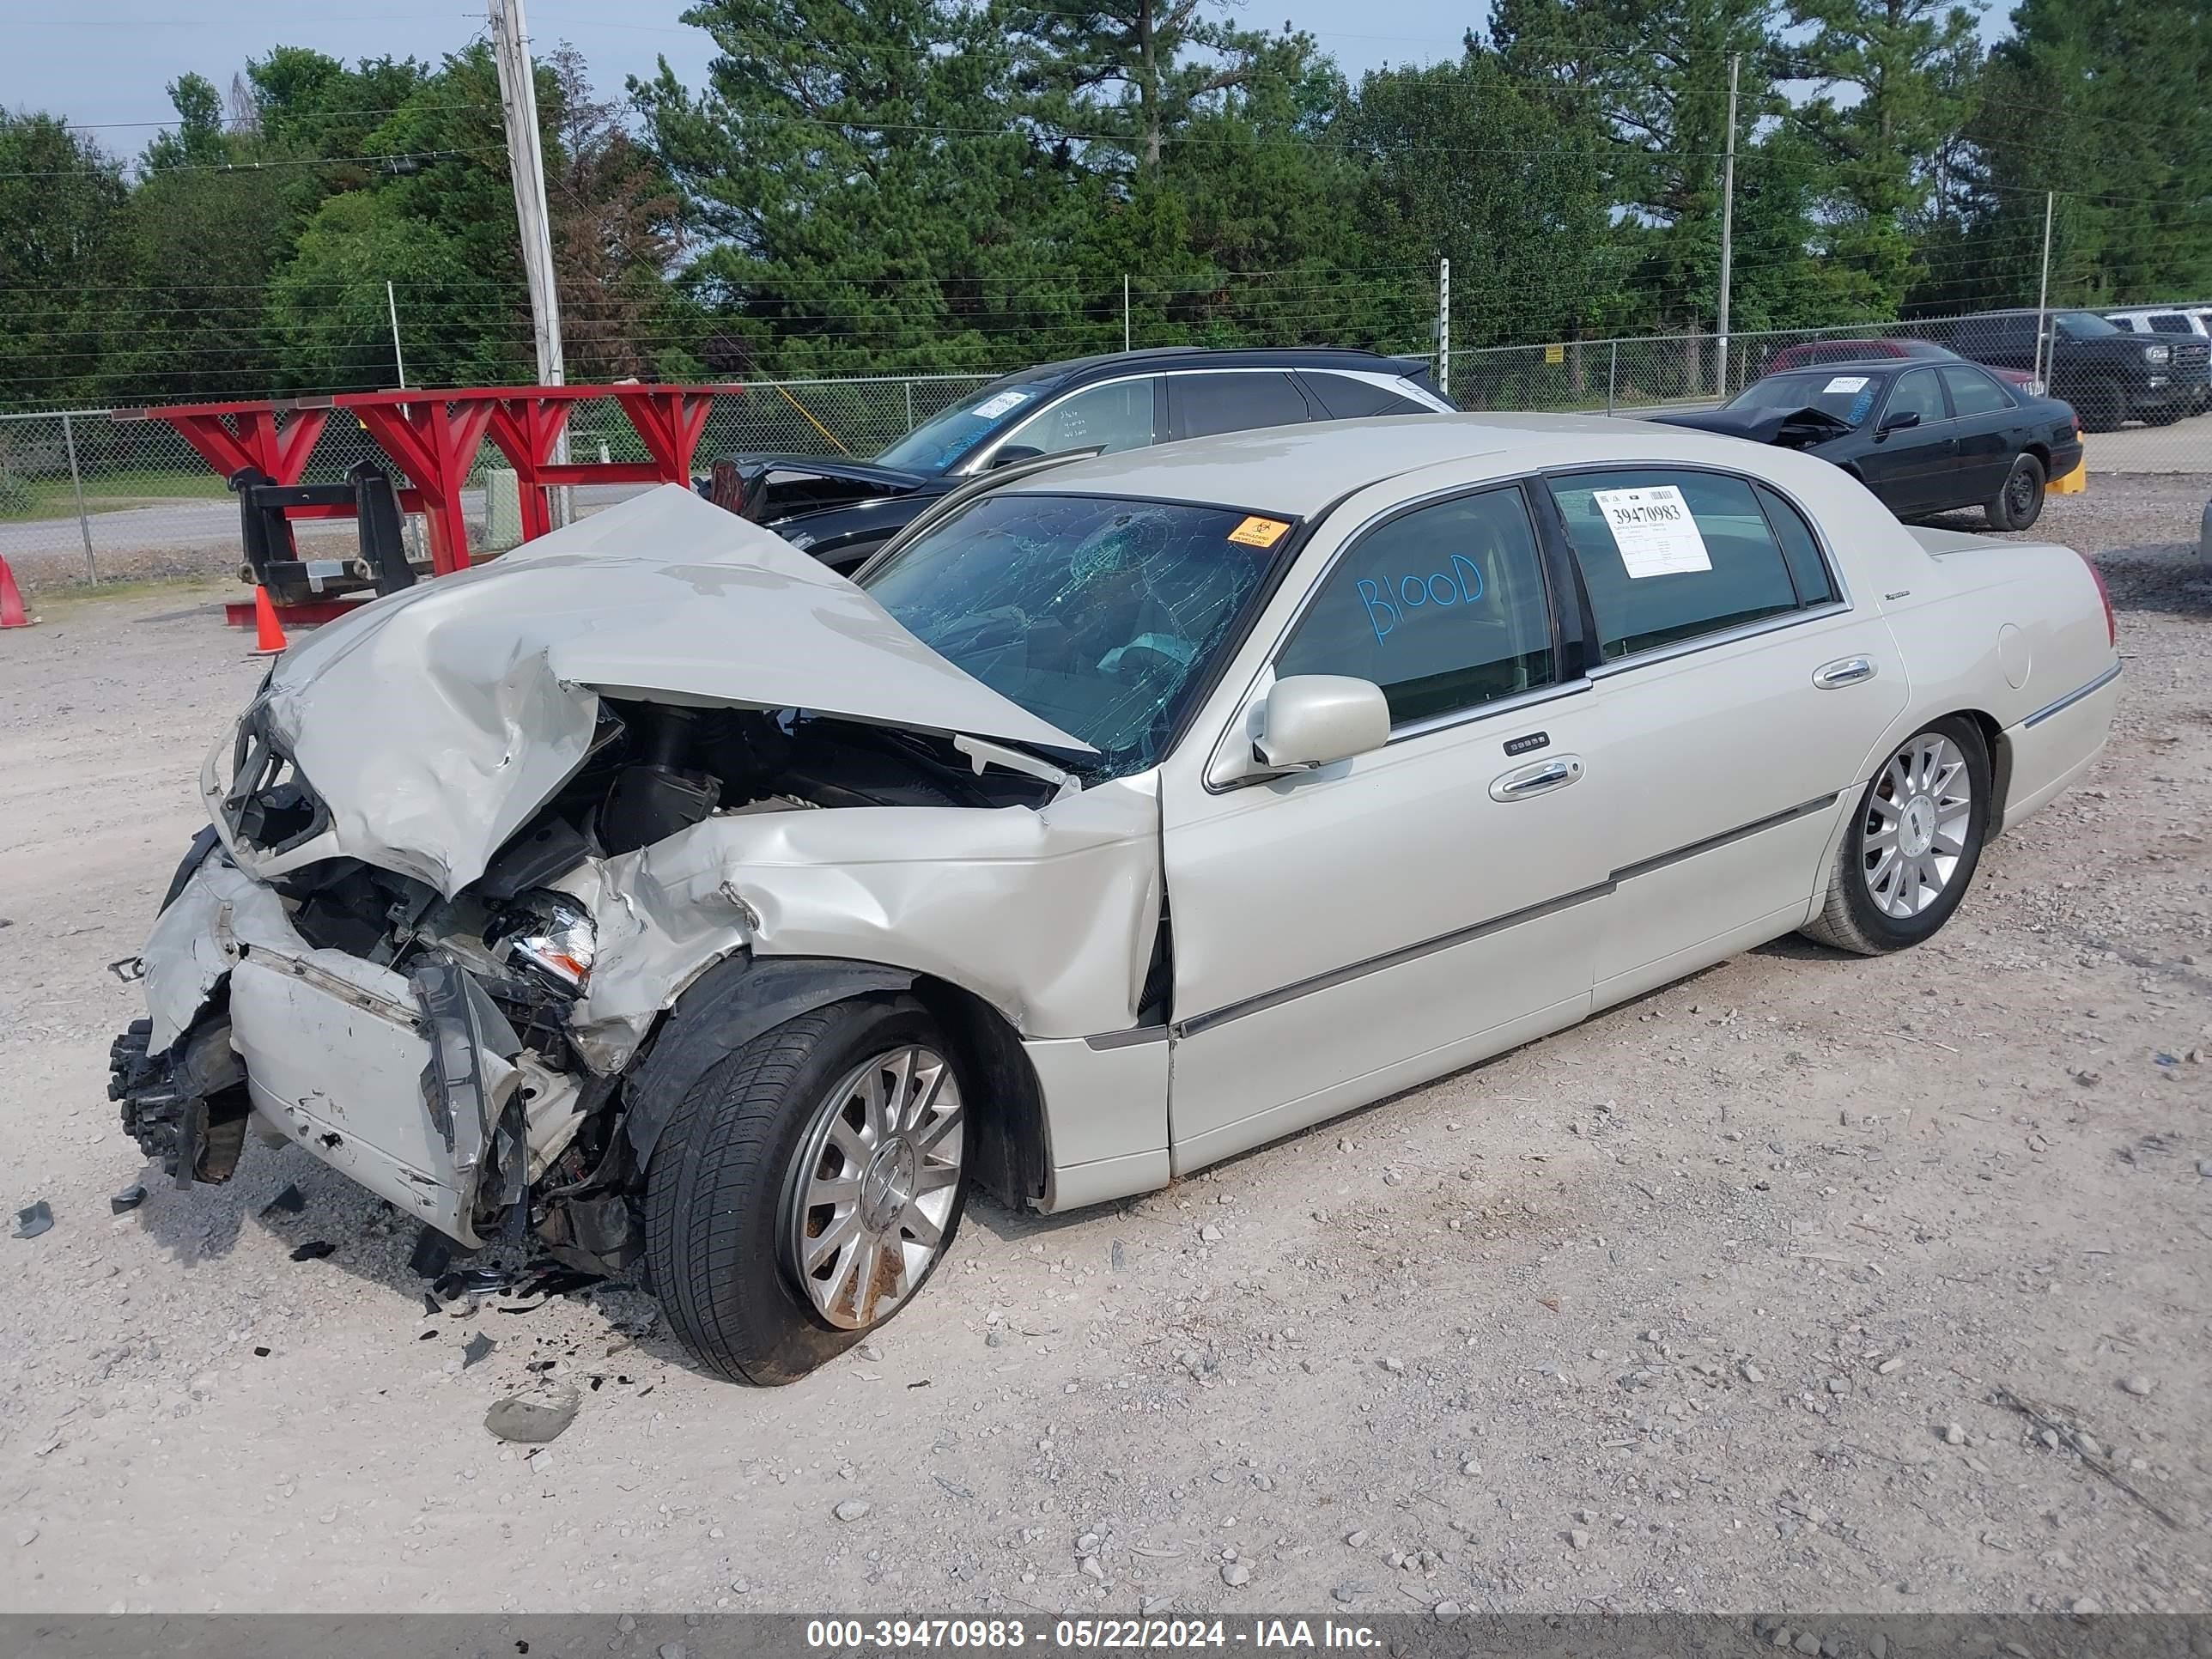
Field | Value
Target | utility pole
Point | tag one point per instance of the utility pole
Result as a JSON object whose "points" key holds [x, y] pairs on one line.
{"points": [[2043, 293], [1727, 219], [391, 309], [1125, 311], [1444, 326], [518, 100]]}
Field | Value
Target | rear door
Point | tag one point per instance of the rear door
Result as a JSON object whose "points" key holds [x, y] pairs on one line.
{"points": [[1233, 400], [1911, 468], [1739, 696], [1986, 423]]}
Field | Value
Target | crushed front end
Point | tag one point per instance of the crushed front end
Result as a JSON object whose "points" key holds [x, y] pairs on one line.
{"points": [[417, 1044]]}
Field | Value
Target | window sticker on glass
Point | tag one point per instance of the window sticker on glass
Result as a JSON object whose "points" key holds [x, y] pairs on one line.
{"points": [[991, 408], [1845, 383], [1654, 531], [1256, 532]]}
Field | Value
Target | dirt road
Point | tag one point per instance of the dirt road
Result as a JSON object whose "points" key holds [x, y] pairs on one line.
{"points": [[1704, 1304]]}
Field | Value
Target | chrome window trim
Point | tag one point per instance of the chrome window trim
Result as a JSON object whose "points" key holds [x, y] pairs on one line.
{"points": [[1752, 630]]}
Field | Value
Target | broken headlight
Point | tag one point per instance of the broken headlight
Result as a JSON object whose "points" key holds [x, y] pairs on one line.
{"points": [[551, 936]]}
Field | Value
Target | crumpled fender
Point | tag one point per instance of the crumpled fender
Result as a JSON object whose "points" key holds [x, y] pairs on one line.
{"points": [[1048, 914], [733, 1002]]}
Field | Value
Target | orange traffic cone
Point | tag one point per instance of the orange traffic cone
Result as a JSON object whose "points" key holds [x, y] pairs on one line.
{"points": [[268, 636], [12, 614]]}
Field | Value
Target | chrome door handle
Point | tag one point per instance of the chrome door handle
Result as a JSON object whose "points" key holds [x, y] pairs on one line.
{"points": [[1540, 779], [1848, 672]]}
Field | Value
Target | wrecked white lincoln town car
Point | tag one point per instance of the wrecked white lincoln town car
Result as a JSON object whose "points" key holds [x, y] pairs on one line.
{"points": [[659, 899]]}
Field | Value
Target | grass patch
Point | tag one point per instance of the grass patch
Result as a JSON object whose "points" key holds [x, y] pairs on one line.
{"points": [[22, 498]]}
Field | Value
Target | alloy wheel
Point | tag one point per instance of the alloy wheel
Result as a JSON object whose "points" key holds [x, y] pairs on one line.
{"points": [[872, 1194], [1916, 825]]}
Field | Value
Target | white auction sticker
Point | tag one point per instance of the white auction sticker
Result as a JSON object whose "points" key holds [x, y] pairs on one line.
{"points": [[991, 408], [1845, 383], [1654, 531]]}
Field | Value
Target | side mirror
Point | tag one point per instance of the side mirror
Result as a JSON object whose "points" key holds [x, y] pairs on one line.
{"points": [[1012, 452], [1899, 423], [1316, 720]]}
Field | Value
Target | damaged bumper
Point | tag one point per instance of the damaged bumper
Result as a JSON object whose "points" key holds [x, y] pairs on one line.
{"points": [[416, 1086]]}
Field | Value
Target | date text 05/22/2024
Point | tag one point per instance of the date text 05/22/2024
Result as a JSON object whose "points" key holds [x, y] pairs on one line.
{"points": [[1084, 1635]]}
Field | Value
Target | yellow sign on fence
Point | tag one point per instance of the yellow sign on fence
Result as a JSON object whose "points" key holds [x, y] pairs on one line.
{"points": [[1553, 354]]}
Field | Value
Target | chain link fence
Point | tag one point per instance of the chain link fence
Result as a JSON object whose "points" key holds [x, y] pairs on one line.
{"points": [[85, 496]]}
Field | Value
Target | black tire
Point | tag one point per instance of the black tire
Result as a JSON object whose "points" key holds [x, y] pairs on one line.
{"points": [[2102, 406], [2018, 504], [715, 1193], [2165, 416], [1849, 920]]}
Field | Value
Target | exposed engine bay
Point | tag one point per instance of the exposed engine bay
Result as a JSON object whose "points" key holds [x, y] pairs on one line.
{"points": [[526, 949]]}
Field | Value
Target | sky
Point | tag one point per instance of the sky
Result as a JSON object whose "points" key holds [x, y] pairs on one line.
{"points": [[104, 63]]}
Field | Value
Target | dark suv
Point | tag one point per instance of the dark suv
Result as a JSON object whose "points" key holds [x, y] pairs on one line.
{"points": [[842, 511], [2108, 374]]}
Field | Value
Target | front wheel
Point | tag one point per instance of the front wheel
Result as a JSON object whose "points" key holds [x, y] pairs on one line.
{"points": [[2020, 503], [1912, 846], [806, 1188]]}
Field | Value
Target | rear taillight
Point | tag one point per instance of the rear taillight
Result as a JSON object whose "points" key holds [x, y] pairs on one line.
{"points": [[2105, 599]]}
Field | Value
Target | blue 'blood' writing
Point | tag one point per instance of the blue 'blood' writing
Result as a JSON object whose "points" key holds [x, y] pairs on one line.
{"points": [[1387, 599]]}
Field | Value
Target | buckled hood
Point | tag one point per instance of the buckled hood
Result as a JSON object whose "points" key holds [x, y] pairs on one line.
{"points": [[423, 732]]}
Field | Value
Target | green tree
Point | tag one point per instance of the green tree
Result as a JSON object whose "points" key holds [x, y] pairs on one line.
{"points": [[1467, 161], [860, 193], [1906, 70], [62, 202], [326, 316], [1129, 73], [198, 139], [2102, 104]]}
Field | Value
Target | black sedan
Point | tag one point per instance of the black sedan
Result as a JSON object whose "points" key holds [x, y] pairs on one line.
{"points": [[1926, 438], [842, 511]]}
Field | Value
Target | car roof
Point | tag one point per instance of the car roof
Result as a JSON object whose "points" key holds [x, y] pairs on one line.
{"points": [[1299, 470], [1844, 365], [1901, 347], [1159, 359]]}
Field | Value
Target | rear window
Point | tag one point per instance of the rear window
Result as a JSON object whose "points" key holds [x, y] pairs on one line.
{"points": [[2171, 322], [1347, 399], [1975, 390], [1669, 556]]}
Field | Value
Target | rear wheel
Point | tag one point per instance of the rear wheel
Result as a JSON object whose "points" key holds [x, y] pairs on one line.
{"points": [[2103, 406], [1912, 846], [2020, 503], [807, 1187]]}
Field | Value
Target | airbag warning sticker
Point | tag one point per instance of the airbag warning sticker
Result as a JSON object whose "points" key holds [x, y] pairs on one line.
{"points": [[1259, 532], [1654, 531]]}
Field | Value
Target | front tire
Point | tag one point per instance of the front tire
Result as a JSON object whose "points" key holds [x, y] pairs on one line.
{"points": [[2020, 503], [1912, 846], [806, 1187]]}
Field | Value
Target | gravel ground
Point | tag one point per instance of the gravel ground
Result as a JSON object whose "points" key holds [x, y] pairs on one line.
{"points": [[1710, 1303]]}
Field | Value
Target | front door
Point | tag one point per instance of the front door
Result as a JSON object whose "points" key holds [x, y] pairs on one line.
{"points": [[1739, 695], [1345, 933], [1911, 467]]}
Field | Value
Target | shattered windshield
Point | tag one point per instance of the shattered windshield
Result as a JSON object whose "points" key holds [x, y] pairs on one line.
{"points": [[1848, 397], [1099, 615], [938, 443]]}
